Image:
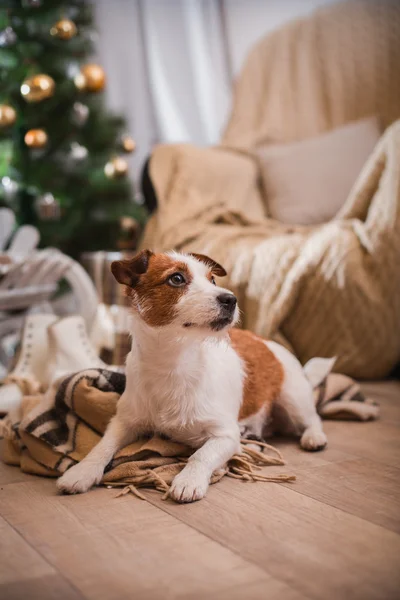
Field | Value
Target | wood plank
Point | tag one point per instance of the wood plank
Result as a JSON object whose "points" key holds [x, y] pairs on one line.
{"points": [[122, 548], [377, 441], [47, 587], [297, 459], [318, 550], [9, 474], [257, 590], [26, 574], [361, 487], [17, 559]]}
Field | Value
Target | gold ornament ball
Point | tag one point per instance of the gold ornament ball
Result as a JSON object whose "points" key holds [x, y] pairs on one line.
{"points": [[128, 224], [129, 233], [7, 115], [116, 168], [64, 29], [128, 143], [37, 88], [91, 78], [36, 138]]}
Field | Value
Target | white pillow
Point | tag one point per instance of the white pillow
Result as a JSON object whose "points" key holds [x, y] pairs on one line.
{"points": [[307, 182]]}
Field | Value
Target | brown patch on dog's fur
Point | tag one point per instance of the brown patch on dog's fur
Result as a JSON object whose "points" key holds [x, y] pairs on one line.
{"points": [[151, 295], [264, 373], [127, 272]]}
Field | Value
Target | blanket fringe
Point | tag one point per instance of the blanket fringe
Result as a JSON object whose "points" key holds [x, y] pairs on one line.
{"points": [[130, 489], [245, 466], [258, 456]]}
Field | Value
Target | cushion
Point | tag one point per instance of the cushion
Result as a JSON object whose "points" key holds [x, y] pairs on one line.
{"points": [[307, 182]]}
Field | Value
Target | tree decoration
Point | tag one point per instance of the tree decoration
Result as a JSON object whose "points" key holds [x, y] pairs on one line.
{"points": [[80, 113], [116, 168], [37, 88], [10, 187], [129, 233], [48, 208], [7, 115], [91, 78], [93, 36], [31, 3], [65, 29], [8, 37], [73, 68], [78, 152], [35, 138], [128, 144]]}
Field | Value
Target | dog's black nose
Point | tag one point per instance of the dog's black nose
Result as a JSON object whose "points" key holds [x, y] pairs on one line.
{"points": [[228, 301]]}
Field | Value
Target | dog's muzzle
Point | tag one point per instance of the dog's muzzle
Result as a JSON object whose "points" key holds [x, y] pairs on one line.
{"points": [[227, 305]]}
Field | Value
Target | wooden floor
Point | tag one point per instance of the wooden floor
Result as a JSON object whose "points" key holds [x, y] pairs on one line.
{"points": [[333, 534]]}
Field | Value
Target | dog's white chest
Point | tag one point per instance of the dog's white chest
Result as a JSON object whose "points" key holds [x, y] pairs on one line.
{"points": [[183, 400]]}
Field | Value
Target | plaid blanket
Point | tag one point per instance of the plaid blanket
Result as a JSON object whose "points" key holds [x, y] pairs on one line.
{"points": [[51, 432]]}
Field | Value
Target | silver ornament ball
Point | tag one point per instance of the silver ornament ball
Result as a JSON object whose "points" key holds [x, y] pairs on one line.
{"points": [[10, 187], [80, 113], [78, 152], [72, 69], [8, 37]]}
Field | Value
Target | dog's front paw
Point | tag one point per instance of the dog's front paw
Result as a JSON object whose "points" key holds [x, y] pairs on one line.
{"points": [[189, 485], [79, 478], [313, 440]]}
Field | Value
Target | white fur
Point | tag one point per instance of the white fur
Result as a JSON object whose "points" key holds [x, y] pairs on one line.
{"points": [[187, 383], [317, 369], [297, 412]]}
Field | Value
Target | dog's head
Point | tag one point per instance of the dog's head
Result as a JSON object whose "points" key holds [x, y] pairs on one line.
{"points": [[177, 290]]}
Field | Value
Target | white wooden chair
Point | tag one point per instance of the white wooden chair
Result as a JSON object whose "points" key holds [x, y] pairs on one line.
{"points": [[29, 278]]}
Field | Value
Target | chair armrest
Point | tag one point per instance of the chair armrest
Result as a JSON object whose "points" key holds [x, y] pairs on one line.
{"points": [[183, 172]]}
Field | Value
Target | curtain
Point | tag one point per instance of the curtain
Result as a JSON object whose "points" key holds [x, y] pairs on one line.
{"points": [[121, 51], [188, 77], [167, 69]]}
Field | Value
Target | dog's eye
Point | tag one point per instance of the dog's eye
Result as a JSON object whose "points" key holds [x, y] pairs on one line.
{"points": [[213, 280], [176, 280]]}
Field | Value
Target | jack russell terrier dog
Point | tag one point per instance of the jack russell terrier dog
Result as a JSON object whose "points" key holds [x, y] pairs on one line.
{"points": [[192, 377]]}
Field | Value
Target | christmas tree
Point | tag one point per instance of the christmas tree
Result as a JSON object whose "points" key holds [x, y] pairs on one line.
{"points": [[62, 164]]}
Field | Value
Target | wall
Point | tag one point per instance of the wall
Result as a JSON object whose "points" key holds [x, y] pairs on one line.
{"points": [[249, 20]]}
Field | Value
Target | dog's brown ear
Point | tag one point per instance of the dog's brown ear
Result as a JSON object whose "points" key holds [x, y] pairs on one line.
{"points": [[128, 271], [216, 268]]}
